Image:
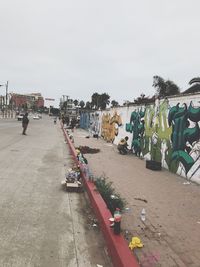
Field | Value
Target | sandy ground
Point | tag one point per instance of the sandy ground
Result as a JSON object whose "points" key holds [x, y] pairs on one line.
{"points": [[171, 232]]}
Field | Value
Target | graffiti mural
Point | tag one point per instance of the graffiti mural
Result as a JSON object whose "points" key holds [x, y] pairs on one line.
{"points": [[152, 133], [165, 131], [94, 124], [109, 126], [185, 136], [136, 126], [85, 120], [157, 141]]}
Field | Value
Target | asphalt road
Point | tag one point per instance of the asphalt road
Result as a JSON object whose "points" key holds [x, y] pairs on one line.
{"points": [[41, 224]]}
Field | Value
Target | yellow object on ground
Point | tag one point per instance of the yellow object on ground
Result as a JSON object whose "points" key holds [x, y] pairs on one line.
{"points": [[135, 243]]}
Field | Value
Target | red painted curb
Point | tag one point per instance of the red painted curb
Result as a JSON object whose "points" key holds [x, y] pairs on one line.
{"points": [[117, 246]]}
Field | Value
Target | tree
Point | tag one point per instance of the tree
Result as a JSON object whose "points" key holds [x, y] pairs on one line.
{"points": [[76, 102], [142, 99], [114, 104], [172, 88], [82, 104], [100, 101], [88, 105], [165, 88], [104, 100], [159, 85], [95, 100]]}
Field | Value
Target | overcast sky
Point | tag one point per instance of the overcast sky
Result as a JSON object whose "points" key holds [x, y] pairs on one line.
{"points": [[78, 47]]}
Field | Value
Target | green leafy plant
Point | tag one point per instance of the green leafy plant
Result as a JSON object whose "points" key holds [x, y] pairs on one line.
{"points": [[112, 199]]}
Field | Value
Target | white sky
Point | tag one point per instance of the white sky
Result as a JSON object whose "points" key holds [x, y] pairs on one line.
{"points": [[78, 47]]}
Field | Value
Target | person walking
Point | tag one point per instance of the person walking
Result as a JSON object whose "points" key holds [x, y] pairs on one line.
{"points": [[25, 122]]}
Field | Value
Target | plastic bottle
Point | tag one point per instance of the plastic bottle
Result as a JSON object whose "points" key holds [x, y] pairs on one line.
{"points": [[143, 215], [117, 221]]}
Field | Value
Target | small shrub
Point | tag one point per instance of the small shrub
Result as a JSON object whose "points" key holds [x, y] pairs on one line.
{"points": [[112, 199]]}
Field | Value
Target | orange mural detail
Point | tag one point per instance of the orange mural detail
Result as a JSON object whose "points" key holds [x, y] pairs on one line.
{"points": [[109, 126]]}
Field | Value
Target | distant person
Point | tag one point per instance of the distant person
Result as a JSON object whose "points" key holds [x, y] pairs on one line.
{"points": [[73, 123], [67, 120], [25, 122], [123, 146], [55, 120]]}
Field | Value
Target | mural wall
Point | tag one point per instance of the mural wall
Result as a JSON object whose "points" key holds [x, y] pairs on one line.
{"points": [[167, 131]]}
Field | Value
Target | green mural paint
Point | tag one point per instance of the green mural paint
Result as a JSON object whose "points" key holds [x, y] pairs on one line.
{"points": [[157, 131], [179, 118], [136, 126]]}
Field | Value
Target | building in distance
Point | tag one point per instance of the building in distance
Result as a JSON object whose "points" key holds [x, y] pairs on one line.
{"points": [[32, 101]]}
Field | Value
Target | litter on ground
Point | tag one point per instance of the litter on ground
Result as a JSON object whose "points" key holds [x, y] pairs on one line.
{"points": [[135, 243]]}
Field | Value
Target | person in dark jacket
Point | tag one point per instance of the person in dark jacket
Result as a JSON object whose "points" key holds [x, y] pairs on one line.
{"points": [[25, 122]]}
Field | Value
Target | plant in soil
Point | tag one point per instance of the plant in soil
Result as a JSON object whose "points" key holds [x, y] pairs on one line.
{"points": [[112, 199]]}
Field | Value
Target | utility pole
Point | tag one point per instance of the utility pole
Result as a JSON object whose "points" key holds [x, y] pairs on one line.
{"points": [[5, 99], [6, 94]]}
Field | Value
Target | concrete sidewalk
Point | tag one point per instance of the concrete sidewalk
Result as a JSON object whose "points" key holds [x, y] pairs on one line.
{"points": [[171, 232]]}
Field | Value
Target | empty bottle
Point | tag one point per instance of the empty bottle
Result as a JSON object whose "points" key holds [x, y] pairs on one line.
{"points": [[143, 215], [117, 221]]}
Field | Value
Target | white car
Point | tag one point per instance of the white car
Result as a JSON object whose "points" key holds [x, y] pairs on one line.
{"points": [[36, 117], [20, 116]]}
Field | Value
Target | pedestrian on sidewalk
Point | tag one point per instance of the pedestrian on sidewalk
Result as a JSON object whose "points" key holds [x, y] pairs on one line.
{"points": [[25, 122]]}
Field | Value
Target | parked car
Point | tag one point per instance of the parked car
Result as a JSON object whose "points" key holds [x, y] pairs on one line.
{"points": [[20, 116], [36, 117]]}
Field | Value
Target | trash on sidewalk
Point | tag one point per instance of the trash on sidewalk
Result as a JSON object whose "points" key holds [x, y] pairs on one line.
{"points": [[98, 265], [143, 215], [126, 210], [111, 222], [135, 243], [126, 234], [113, 197], [141, 199], [71, 138], [81, 157], [87, 149], [117, 221], [187, 183], [72, 179]]}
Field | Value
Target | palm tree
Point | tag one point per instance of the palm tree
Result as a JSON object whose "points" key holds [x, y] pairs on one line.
{"points": [[76, 102], [82, 104], [114, 103]]}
